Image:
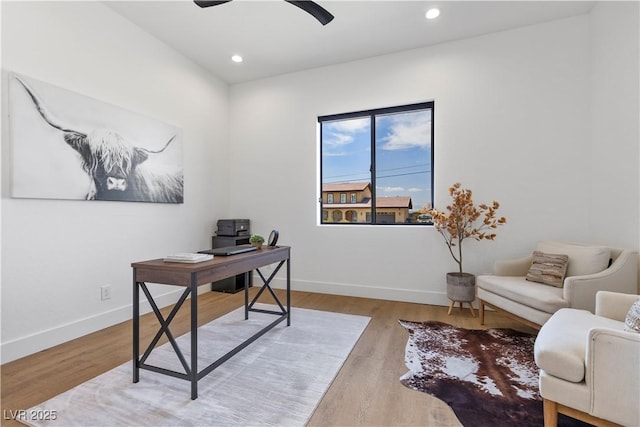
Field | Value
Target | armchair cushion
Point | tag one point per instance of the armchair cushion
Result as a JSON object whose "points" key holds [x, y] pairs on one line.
{"points": [[614, 305], [560, 347], [548, 299], [583, 259], [548, 269]]}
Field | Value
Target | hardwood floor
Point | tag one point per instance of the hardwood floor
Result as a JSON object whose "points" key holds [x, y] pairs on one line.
{"points": [[366, 392]]}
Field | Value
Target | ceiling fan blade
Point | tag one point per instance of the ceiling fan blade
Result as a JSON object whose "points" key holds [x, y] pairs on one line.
{"points": [[314, 10], [208, 3]]}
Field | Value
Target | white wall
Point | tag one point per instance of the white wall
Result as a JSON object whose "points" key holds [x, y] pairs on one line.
{"points": [[56, 254], [615, 123], [512, 122], [520, 117]]}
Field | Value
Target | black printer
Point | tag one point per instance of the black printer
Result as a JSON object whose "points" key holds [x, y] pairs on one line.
{"points": [[233, 227]]}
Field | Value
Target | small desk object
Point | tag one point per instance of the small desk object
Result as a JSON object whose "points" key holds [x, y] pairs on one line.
{"points": [[190, 276]]}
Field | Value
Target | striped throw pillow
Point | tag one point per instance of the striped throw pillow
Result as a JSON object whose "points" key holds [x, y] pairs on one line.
{"points": [[548, 269]]}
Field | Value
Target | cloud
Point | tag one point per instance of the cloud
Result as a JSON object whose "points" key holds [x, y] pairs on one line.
{"points": [[336, 136], [415, 190], [408, 130], [349, 126], [337, 139], [335, 153], [391, 189]]}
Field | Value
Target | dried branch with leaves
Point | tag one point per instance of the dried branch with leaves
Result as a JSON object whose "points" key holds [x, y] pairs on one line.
{"points": [[465, 220]]}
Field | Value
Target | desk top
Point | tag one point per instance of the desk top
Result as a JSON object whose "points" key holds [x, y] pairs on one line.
{"points": [[220, 267]]}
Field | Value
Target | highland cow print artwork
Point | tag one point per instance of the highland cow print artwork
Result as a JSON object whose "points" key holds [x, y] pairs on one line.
{"points": [[68, 146]]}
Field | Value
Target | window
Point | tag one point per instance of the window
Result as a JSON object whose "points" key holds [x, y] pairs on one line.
{"points": [[384, 159]]}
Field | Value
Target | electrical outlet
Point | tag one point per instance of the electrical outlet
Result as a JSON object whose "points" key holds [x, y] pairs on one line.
{"points": [[105, 292]]}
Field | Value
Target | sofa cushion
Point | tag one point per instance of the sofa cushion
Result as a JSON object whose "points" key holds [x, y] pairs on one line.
{"points": [[583, 259], [548, 269], [561, 344], [541, 297]]}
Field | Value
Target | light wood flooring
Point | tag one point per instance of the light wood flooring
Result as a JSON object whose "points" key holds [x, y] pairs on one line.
{"points": [[366, 392]]}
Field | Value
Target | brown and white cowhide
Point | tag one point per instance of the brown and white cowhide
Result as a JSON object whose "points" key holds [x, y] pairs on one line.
{"points": [[488, 377]]}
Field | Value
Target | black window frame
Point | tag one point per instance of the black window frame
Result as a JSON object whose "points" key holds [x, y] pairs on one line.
{"points": [[372, 113]]}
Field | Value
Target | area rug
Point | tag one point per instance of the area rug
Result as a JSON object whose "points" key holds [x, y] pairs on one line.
{"points": [[278, 380], [488, 377]]}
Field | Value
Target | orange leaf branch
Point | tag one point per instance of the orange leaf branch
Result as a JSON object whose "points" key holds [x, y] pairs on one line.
{"points": [[465, 220]]}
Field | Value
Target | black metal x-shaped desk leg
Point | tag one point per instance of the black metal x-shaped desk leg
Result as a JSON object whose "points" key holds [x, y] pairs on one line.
{"points": [[164, 326], [266, 285], [164, 329]]}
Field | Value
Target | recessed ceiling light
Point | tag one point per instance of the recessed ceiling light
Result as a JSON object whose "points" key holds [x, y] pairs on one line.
{"points": [[433, 13], [236, 58]]}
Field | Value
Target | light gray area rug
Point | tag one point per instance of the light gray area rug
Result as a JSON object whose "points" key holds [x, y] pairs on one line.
{"points": [[278, 380]]}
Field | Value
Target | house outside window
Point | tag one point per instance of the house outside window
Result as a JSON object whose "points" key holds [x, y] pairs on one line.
{"points": [[383, 159]]}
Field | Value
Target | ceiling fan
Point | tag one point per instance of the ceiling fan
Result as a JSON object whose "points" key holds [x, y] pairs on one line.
{"points": [[310, 7]]}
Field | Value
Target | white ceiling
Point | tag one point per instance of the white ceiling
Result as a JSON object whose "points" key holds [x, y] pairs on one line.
{"points": [[275, 37]]}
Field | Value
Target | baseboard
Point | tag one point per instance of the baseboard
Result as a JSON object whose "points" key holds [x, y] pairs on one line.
{"points": [[24, 346], [364, 291]]}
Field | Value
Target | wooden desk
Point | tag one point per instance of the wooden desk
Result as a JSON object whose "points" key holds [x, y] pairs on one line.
{"points": [[191, 276]]}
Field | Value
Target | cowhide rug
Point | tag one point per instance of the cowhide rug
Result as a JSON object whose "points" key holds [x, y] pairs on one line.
{"points": [[488, 377]]}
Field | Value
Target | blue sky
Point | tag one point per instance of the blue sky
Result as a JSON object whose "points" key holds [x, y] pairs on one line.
{"points": [[403, 153]]}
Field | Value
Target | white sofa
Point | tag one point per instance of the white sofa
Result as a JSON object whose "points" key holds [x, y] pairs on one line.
{"points": [[589, 365], [590, 269]]}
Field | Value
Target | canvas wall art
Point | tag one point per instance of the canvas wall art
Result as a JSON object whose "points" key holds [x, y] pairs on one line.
{"points": [[69, 146]]}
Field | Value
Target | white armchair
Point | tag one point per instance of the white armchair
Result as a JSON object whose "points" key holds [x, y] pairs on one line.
{"points": [[589, 365], [590, 269]]}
